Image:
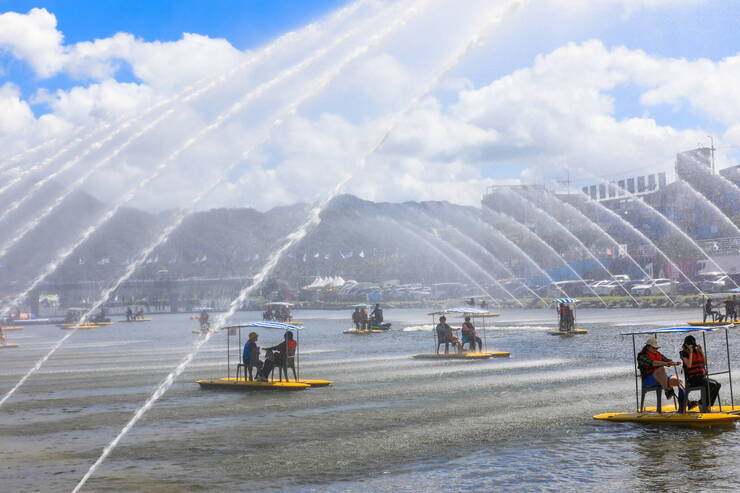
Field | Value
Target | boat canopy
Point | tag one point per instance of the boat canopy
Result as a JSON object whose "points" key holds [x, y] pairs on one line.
{"points": [[678, 330], [565, 300], [265, 325], [722, 295]]}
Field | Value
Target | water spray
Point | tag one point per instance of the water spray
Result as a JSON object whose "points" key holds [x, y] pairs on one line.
{"points": [[313, 219]]}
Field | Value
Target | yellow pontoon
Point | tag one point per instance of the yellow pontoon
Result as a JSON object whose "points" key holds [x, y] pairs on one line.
{"points": [[8, 346]]}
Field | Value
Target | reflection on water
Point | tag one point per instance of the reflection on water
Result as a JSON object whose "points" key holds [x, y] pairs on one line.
{"points": [[390, 423]]}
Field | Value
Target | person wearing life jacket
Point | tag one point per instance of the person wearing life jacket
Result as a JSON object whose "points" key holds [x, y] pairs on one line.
{"points": [[251, 354], [652, 366], [469, 337], [278, 355], [695, 369], [357, 319]]}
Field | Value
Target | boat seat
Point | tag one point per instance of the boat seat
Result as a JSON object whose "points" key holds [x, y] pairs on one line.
{"points": [[283, 369], [447, 346], [703, 399], [247, 369], [659, 397]]}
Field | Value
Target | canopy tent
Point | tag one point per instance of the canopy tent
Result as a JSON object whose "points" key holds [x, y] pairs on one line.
{"points": [[565, 300], [264, 325], [678, 330]]}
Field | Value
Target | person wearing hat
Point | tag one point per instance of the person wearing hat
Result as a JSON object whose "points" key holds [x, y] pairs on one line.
{"points": [[251, 355], [652, 366]]}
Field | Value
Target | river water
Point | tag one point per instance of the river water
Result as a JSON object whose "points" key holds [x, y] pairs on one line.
{"points": [[389, 422]]}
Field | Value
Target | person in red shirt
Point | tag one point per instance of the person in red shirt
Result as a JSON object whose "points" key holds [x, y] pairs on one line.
{"points": [[652, 365]]}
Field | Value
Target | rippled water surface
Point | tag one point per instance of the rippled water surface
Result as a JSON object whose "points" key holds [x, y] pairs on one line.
{"points": [[389, 422]]}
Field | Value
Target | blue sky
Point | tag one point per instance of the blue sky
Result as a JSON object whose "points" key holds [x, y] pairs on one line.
{"points": [[577, 99], [244, 23]]}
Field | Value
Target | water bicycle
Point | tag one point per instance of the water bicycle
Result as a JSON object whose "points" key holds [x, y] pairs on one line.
{"points": [[373, 326], [247, 382], [476, 314], [278, 311], [716, 319], [667, 414], [3, 344], [566, 308]]}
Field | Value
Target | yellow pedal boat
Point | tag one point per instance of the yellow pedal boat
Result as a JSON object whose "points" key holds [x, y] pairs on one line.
{"points": [[83, 326], [462, 356], [12, 327], [241, 384], [567, 333], [671, 418], [362, 332], [699, 323], [8, 346]]}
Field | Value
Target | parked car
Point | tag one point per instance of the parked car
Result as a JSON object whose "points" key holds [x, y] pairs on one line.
{"points": [[653, 287]]}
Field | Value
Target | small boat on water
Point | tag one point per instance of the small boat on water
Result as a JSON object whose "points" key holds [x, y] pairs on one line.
{"points": [[362, 332], [8, 346], [247, 382], [703, 415], [478, 316], [566, 309], [78, 326], [12, 327]]}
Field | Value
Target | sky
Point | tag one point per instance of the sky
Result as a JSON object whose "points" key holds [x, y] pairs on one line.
{"points": [[172, 97]]}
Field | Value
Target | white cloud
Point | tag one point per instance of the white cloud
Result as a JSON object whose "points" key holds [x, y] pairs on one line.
{"points": [[33, 38]]}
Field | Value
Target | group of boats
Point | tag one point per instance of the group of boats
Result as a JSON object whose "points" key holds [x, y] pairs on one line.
{"points": [[72, 321], [661, 414]]}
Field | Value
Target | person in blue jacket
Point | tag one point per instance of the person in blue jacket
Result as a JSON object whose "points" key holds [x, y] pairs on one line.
{"points": [[251, 354]]}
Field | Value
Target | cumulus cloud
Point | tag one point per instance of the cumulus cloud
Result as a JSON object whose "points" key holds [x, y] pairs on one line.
{"points": [[34, 38]]}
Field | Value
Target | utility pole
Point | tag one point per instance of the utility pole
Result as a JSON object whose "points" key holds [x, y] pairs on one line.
{"points": [[712, 149]]}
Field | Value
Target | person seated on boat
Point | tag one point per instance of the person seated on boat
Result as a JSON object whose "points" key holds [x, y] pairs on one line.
{"points": [[566, 317], [357, 318], [129, 314], [377, 314], [469, 337], [204, 325], [652, 366], [277, 355], [483, 304], [710, 312], [364, 319], [730, 309], [471, 302], [140, 314], [251, 354], [695, 368], [446, 336]]}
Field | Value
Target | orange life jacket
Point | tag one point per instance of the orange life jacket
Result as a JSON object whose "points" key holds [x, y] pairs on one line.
{"points": [[697, 366], [292, 345], [656, 356]]}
